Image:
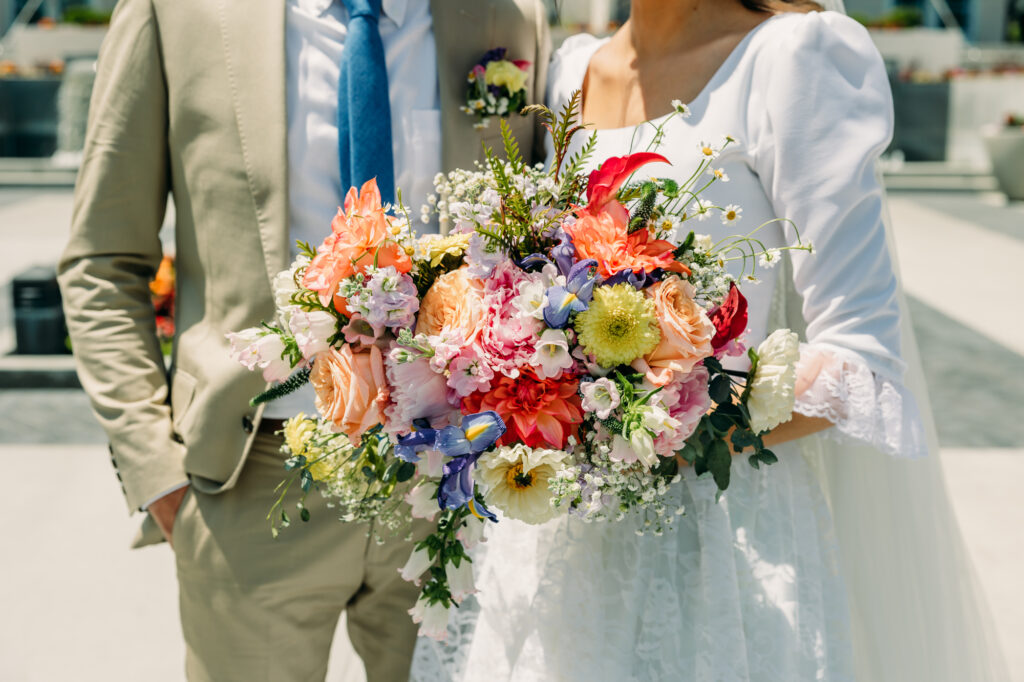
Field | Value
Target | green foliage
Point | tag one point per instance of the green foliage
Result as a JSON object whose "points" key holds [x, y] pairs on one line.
{"points": [[289, 385], [644, 208]]}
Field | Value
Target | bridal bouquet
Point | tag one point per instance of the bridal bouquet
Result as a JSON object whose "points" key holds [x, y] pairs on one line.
{"points": [[558, 351]]}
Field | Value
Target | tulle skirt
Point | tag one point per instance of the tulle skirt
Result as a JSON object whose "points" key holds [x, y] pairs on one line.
{"points": [[743, 589]]}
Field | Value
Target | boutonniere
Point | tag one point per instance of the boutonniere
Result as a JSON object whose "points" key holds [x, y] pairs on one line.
{"points": [[497, 87]]}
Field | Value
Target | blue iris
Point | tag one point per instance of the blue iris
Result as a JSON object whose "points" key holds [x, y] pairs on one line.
{"points": [[574, 297], [464, 445], [409, 446]]}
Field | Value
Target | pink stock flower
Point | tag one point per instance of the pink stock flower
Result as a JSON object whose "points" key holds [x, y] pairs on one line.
{"points": [[469, 372]]}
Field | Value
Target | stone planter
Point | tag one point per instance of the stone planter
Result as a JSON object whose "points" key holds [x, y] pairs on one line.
{"points": [[1006, 150]]}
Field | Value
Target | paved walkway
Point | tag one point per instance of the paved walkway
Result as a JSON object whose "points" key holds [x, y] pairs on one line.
{"points": [[78, 605]]}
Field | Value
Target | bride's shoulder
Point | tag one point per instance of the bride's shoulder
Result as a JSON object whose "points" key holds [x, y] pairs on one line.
{"points": [[569, 66], [814, 39]]}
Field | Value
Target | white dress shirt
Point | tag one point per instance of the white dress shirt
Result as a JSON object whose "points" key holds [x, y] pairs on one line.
{"points": [[315, 39]]}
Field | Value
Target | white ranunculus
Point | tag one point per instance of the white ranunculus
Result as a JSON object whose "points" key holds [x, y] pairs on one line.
{"points": [[432, 619], [515, 480], [771, 396], [460, 579], [423, 500], [419, 561]]}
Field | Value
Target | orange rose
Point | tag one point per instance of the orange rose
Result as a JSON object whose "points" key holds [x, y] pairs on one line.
{"points": [[454, 300], [359, 238], [686, 331], [350, 389]]}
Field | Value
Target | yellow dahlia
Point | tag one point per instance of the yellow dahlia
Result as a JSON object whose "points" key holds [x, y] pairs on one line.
{"points": [[619, 326]]}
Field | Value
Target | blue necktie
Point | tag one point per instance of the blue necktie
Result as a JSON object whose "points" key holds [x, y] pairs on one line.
{"points": [[364, 110]]}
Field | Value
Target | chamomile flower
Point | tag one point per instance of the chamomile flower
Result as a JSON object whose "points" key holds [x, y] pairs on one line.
{"points": [[718, 174], [731, 214], [701, 211], [681, 108], [770, 258], [708, 150]]}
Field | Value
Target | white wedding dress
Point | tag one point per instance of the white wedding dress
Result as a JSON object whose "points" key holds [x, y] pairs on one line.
{"points": [[777, 581]]}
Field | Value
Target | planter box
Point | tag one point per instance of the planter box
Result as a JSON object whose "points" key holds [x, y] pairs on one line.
{"points": [[1006, 151]]}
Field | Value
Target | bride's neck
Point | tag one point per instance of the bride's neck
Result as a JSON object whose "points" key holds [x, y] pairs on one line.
{"points": [[657, 27]]}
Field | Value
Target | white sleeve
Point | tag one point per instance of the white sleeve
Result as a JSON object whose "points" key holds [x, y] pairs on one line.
{"points": [[826, 116]]}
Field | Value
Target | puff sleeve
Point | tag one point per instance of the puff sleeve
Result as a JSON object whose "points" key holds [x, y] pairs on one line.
{"points": [[824, 115]]}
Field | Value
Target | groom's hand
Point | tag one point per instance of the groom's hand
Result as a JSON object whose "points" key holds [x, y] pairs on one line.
{"points": [[165, 510]]}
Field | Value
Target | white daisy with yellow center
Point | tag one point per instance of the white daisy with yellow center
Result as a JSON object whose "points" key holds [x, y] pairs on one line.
{"points": [[731, 214], [515, 480]]}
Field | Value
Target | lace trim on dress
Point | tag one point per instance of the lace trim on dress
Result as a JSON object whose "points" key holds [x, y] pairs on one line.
{"points": [[838, 384]]}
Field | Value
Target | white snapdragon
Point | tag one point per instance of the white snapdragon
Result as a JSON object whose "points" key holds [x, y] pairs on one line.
{"points": [[772, 394]]}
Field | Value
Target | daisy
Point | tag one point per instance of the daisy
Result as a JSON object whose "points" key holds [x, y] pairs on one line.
{"points": [[731, 214], [681, 108]]}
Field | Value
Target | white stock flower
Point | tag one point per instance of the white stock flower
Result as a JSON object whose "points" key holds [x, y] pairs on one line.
{"points": [[460, 579], [771, 397], [284, 288], [432, 618], [600, 397], [418, 563], [423, 500], [551, 356], [312, 329], [515, 479]]}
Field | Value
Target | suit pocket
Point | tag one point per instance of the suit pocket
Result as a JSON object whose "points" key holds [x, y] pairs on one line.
{"points": [[183, 392]]}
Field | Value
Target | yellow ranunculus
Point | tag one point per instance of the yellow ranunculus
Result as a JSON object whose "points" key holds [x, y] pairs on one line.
{"points": [[505, 73]]}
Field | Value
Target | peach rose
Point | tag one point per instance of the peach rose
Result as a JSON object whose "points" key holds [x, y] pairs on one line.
{"points": [[686, 331], [359, 238], [350, 389], [455, 300]]}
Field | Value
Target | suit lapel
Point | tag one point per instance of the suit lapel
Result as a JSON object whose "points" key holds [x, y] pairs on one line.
{"points": [[253, 35]]}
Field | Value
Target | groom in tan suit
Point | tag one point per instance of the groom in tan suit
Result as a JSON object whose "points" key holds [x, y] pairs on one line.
{"points": [[225, 105]]}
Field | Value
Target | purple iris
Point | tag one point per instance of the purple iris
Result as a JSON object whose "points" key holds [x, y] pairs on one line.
{"points": [[574, 297], [495, 55], [638, 279], [464, 445], [410, 445]]}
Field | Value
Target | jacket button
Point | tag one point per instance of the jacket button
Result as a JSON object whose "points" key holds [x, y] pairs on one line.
{"points": [[176, 437], [247, 424]]}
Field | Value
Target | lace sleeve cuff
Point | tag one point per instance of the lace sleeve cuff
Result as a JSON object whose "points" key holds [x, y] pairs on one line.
{"points": [[838, 384]]}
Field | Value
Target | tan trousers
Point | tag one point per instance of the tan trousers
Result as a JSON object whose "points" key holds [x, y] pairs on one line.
{"points": [[255, 608]]}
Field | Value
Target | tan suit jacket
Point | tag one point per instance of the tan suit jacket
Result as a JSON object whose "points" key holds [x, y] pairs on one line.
{"points": [[190, 100]]}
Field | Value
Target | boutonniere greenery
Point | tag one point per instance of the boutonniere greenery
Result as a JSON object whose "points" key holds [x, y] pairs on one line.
{"points": [[497, 87]]}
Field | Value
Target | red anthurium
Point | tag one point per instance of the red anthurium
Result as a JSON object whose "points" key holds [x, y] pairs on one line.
{"points": [[730, 318], [606, 180]]}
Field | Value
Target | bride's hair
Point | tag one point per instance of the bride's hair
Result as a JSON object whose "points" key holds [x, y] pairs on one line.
{"points": [[782, 5]]}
